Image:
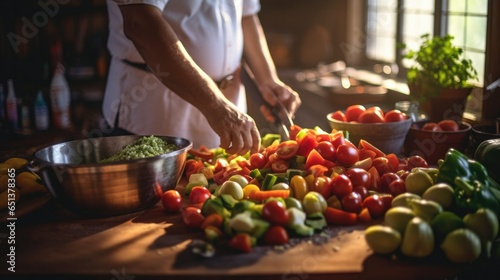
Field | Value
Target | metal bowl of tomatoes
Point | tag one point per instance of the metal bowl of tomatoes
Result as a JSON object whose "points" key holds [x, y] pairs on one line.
{"points": [[77, 178], [387, 134]]}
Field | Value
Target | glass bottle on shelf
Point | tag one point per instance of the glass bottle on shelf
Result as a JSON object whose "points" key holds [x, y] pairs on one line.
{"points": [[411, 109]]}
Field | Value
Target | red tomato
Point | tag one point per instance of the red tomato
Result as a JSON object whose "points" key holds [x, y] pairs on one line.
{"points": [[307, 144], [339, 116], [416, 161], [386, 164], [337, 139], [193, 166], [318, 170], [287, 149], [276, 235], [353, 112], [365, 145], [326, 150], [377, 110], [280, 166], [192, 217], [364, 154], [370, 116], [214, 220], [359, 177], [202, 152], [375, 205], [199, 194], [294, 130], [340, 217], [274, 211], [387, 199], [171, 200], [352, 202], [347, 155], [314, 158], [241, 242], [431, 126], [341, 185], [397, 186], [448, 125], [257, 160], [394, 116], [361, 190], [385, 180], [322, 185]]}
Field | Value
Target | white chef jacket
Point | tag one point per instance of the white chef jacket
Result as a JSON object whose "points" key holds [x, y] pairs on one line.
{"points": [[211, 32]]}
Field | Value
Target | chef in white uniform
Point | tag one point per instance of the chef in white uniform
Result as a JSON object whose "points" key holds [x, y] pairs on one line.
{"points": [[175, 70]]}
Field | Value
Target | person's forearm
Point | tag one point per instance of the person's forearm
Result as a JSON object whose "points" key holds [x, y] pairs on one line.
{"points": [[167, 58], [256, 52]]}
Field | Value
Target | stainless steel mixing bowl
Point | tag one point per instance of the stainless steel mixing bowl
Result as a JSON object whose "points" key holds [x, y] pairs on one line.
{"points": [[74, 177]]}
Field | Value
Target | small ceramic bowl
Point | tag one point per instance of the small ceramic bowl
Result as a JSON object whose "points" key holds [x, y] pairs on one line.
{"points": [[433, 145], [388, 137]]}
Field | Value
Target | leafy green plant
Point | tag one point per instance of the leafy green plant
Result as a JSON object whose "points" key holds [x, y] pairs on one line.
{"points": [[438, 65]]}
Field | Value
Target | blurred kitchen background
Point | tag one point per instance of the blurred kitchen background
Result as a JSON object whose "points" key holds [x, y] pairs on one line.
{"points": [[333, 52]]}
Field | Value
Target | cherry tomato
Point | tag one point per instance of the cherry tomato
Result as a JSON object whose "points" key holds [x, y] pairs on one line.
{"points": [[326, 149], [276, 235], [275, 212], [359, 177], [386, 180], [448, 125], [322, 185], [287, 149], [171, 200], [341, 185], [199, 194], [192, 217], [377, 110], [394, 116], [280, 166], [257, 160], [307, 144], [361, 190], [365, 145], [314, 158], [387, 199], [241, 242], [299, 187], [347, 155], [294, 130], [375, 205], [352, 202], [370, 116], [339, 116], [386, 164], [416, 161], [431, 126], [202, 152], [340, 217], [397, 186], [353, 112]]}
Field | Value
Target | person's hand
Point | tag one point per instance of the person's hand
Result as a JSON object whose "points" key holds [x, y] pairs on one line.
{"points": [[237, 131], [275, 92]]}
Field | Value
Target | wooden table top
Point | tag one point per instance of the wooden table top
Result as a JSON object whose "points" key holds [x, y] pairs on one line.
{"points": [[52, 243]]}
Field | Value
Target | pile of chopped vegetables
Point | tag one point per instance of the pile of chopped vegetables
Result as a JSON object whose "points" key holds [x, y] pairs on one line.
{"points": [[146, 146]]}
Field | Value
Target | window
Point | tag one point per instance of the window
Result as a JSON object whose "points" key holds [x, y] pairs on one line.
{"points": [[390, 22]]}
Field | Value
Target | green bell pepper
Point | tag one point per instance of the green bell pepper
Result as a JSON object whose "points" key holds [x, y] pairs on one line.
{"points": [[473, 195]]}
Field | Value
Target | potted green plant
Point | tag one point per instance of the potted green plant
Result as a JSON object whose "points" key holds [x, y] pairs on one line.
{"points": [[440, 76]]}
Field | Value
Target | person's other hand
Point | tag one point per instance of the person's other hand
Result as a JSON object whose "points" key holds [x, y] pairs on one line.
{"points": [[237, 131], [275, 92]]}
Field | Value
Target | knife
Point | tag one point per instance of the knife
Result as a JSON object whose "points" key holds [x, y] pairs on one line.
{"points": [[282, 118]]}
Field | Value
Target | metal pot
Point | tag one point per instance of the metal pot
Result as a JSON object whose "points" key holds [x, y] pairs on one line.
{"points": [[74, 177]]}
